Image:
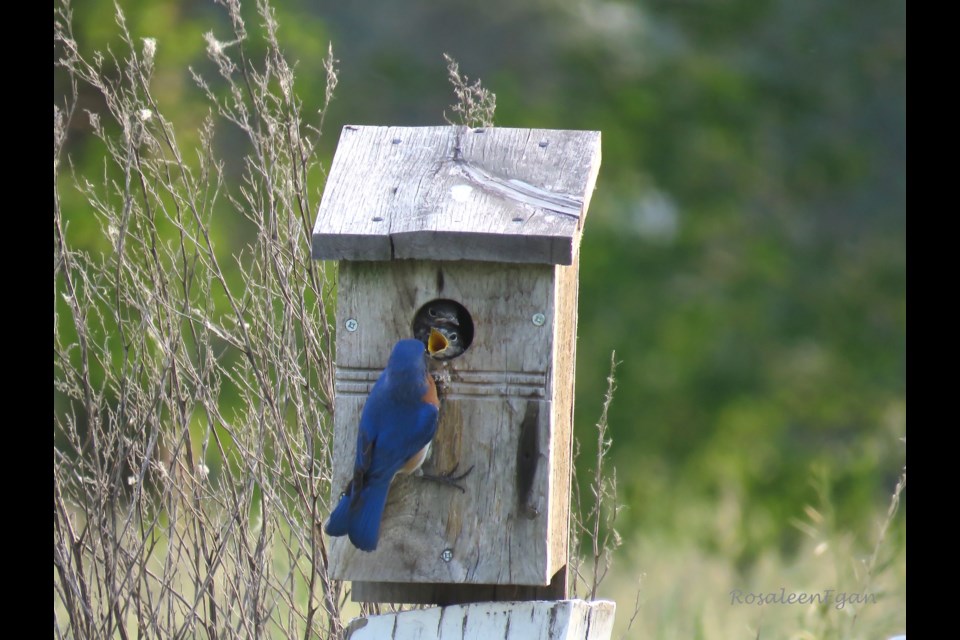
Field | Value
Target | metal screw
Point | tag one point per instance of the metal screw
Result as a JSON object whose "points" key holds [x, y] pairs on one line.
{"points": [[446, 555], [352, 325], [539, 319]]}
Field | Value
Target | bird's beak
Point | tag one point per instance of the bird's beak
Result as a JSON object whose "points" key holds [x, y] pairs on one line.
{"points": [[437, 342]]}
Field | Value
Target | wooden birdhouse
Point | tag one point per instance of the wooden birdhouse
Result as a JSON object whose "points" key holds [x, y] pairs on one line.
{"points": [[488, 222]]}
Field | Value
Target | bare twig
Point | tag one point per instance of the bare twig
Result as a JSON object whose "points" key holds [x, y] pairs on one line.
{"points": [[475, 105], [160, 354], [596, 520]]}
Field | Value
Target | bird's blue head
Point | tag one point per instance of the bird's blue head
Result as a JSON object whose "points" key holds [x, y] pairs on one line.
{"points": [[408, 355], [405, 375]]}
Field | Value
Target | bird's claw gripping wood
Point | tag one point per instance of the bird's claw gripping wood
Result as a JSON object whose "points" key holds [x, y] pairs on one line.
{"points": [[448, 478]]}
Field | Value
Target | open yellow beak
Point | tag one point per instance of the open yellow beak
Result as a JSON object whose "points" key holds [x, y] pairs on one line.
{"points": [[437, 342]]}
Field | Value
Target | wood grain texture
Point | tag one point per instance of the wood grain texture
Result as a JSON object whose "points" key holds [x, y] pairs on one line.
{"points": [[509, 375], [560, 620], [452, 193], [565, 358]]}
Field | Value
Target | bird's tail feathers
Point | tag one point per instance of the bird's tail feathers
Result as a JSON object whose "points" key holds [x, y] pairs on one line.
{"points": [[339, 522], [364, 527]]}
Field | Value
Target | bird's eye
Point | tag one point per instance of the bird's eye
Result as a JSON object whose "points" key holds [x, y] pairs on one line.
{"points": [[432, 312], [452, 337]]}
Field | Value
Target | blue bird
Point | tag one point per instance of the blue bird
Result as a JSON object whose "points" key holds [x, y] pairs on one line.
{"points": [[397, 424]]}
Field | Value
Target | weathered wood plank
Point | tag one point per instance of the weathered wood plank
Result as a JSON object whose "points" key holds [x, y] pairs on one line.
{"points": [[565, 359], [510, 527], [452, 193], [560, 620]]}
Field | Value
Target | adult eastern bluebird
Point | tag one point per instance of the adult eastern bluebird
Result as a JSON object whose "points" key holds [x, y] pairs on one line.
{"points": [[397, 424], [442, 316]]}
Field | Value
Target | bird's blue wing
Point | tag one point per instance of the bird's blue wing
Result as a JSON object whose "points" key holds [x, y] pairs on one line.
{"points": [[418, 431], [366, 441], [369, 428], [403, 430]]}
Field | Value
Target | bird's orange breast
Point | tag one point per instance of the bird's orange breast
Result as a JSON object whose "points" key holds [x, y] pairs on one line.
{"points": [[431, 394], [431, 397], [414, 462]]}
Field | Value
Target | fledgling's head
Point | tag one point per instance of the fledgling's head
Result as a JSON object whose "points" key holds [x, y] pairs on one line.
{"points": [[443, 314], [437, 343], [439, 314]]}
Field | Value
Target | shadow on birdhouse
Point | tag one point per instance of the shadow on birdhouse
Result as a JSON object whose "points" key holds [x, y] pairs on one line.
{"points": [[474, 233]]}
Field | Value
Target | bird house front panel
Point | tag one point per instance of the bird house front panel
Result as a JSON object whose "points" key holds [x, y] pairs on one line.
{"points": [[504, 419]]}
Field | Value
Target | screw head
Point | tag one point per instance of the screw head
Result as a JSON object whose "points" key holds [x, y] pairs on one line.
{"points": [[539, 319], [446, 555], [351, 325]]}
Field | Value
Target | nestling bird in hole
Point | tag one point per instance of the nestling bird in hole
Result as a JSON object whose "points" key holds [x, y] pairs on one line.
{"points": [[444, 317]]}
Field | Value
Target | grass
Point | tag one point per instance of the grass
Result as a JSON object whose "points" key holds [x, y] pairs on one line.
{"points": [[686, 591]]}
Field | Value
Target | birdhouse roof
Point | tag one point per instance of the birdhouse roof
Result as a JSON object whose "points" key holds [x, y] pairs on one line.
{"points": [[455, 193]]}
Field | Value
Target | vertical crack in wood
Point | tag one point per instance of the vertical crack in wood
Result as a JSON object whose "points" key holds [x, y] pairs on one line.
{"points": [[552, 629], [457, 142], [528, 457]]}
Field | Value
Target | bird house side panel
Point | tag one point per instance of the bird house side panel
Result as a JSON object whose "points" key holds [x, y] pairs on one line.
{"points": [[565, 352]]}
